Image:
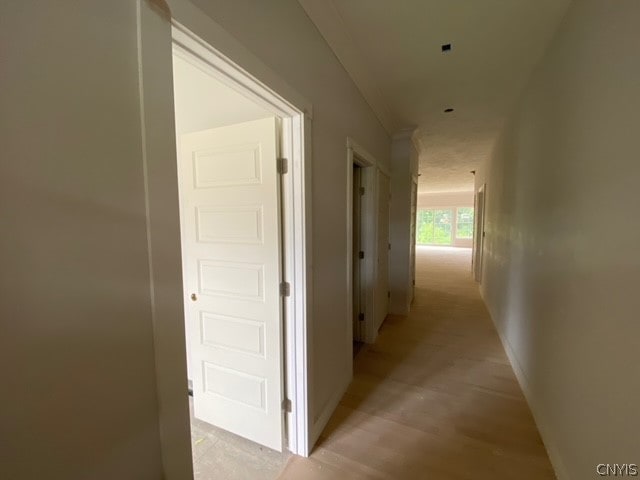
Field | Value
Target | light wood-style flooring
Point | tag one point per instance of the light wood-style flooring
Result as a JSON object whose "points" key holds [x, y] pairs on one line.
{"points": [[434, 397]]}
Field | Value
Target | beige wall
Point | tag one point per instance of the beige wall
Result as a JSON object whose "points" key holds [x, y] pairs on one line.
{"points": [[453, 199], [79, 393], [561, 251], [404, 172]]}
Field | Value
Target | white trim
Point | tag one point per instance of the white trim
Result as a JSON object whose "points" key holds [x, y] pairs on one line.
{"points": [[296, 211], [361, 152], [479, 211], [297, 269], [359, 156]]}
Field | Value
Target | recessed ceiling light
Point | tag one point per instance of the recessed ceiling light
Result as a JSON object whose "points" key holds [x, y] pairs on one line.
{"points": [[446, 48], [448, 110]]}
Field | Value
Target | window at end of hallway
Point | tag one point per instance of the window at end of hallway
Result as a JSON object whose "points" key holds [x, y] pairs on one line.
{"points": [[464, 222], [444, 226], [434, 226]]}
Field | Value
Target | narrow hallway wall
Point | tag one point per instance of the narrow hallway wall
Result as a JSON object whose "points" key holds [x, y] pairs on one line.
{"points": [[404, 172], [562, 234]]}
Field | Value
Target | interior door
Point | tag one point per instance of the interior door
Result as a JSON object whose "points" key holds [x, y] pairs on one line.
{"points": [[229, 192], [382, 307]]}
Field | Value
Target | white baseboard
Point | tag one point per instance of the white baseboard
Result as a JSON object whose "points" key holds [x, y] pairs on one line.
{"points": [[538, 416], [328, 410]]}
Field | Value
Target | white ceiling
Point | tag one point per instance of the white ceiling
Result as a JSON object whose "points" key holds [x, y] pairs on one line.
{"points": [[392, 50], [202, 102]]}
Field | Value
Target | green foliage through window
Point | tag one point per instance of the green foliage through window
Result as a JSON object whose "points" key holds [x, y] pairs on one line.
{"points": [[434, 226], [464, 226]]}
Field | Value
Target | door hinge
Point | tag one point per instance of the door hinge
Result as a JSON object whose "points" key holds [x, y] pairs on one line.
{"points": [[361, 317], [283, 166], [285, 289], [388, 294], [286, 405], [361, 255], [361, 190], [389, 246]]}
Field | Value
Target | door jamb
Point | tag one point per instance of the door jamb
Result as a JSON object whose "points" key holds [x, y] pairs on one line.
{"points": [[295, 198], [356, 154], [478, 232]]}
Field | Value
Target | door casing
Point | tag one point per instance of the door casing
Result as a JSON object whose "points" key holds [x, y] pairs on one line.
{"points": [[478, 233], [357, 155], [158, 34], [159, 29], [295, 213]]}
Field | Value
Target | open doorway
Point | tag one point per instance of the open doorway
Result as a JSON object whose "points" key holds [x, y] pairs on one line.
{"points": [[368, 244], [478, 233], [358, 190], [242, 276], [228, 148]]}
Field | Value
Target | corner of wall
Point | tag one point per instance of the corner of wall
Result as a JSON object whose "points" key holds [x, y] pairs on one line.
{"points": [[327, 411]]}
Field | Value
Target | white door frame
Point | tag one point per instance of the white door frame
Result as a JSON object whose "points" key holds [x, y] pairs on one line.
{"points": [[295, 193], [357, 238], [478, 232], [356, 154]]}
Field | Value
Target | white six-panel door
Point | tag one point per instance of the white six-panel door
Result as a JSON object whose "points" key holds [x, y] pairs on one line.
{"points": [[231, 252]]}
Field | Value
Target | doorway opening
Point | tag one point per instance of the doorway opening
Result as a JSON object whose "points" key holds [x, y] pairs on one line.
{"points": [[368, 198], [357, 260], [478, 233], [242, 222]]}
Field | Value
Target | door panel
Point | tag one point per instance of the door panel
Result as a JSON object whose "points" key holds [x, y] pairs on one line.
{"points": [[231, 254]]}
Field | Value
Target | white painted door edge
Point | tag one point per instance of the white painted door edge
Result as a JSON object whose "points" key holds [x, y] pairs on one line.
{"points": [[296, 192]]}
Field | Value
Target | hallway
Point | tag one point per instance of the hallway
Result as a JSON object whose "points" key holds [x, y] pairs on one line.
{"points": [[434, 397]]}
